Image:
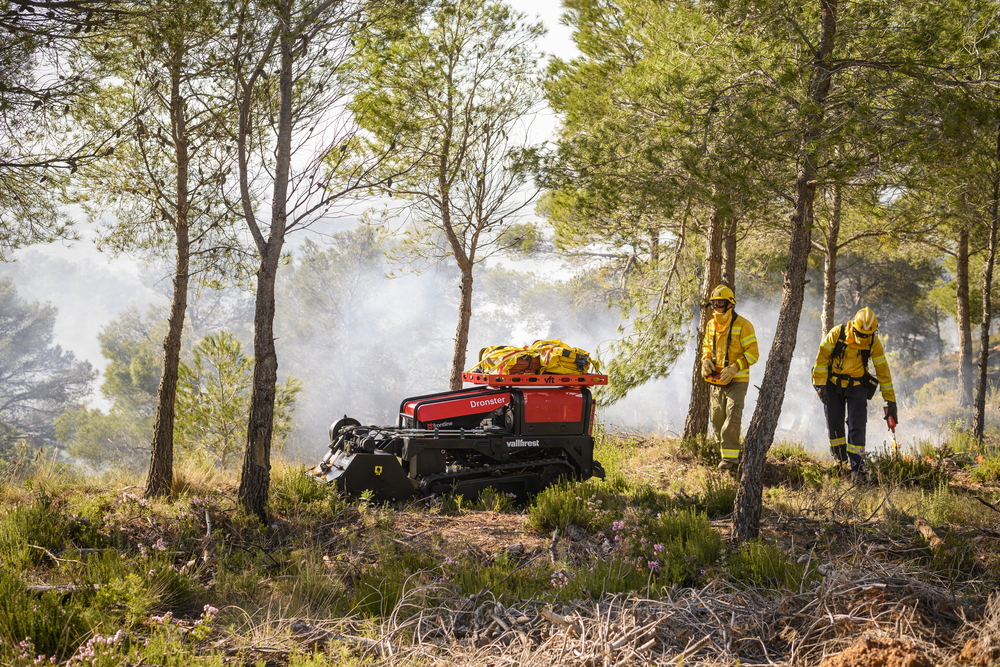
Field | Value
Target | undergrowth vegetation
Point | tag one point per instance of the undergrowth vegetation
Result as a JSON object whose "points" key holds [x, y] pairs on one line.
{"points": [[94, 574]]}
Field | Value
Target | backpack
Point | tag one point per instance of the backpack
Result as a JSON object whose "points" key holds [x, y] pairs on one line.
{"points": [[505, 359], [544, 356], [559, 358], [869, 381]]}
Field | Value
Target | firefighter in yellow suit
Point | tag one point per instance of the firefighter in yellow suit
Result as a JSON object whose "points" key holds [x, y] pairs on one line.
{"points": [[727, 353], [841, 377]]}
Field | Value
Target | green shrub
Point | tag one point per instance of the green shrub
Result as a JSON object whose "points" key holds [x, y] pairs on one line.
{"points": [[594, 506], [126, 590], [702, 449], [492, 500], [317, 658], [567, 503], [768, 565], [809, 474], [650, 548], [54, 628], [669, 547], [604, 576], [961, 438], [501, 577], [611, 449], [451, 503], [719, 496], [294, 491], [941, 506], [238, 575], [898, 468], [26, 531], [987, 470], [172, 645], [787, 449], [379, 586]]}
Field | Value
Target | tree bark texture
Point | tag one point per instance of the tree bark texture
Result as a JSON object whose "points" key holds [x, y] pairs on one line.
{"points": [[729, 255], [464, 260], [696, 422], [462, 332], [963, 320], [979, 409], [255, 477], [830, 265], [760, 433], [160, 477]]}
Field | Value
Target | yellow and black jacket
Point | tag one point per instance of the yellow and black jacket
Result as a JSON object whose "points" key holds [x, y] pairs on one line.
{"points": [[742, 347], [849, 368]]}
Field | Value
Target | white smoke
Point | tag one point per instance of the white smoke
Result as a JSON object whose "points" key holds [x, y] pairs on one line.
{"points": [[401, 337]]}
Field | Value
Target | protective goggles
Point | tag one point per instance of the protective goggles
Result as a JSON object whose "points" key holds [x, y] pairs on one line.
{"points": [[720, 303]]}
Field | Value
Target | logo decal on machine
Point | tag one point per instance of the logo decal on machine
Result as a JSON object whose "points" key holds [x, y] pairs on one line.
{"points": [[524, 443], [450, 408], [487, 402]]}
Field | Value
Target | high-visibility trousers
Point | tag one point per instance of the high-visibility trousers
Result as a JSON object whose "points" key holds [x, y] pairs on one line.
{"points": [[727, 417], [855, 400]]}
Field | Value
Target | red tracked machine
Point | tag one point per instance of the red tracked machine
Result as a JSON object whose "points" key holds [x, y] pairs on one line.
{"points": [[513, 433]]}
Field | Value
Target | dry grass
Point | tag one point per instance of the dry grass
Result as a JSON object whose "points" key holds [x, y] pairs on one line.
{"points": [[716, 624], [864, 571]]}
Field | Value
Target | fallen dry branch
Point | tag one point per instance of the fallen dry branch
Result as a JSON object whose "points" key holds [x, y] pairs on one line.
{"points": [[936, 543]]}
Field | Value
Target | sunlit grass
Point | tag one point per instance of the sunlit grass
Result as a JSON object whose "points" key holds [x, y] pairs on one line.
{"points": [[647, 529]]}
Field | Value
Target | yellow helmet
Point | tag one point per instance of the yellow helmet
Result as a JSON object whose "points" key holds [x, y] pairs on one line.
{"points": [[865, 321], [723, 292]]}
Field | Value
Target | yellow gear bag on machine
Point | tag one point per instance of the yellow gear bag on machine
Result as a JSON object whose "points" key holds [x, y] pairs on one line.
{"points": [[506, 359], [559, 358]]}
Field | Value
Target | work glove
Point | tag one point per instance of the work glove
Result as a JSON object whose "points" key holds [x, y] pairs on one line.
{"points": [[728, 373], [821, 392], [707, 368], [891, 411]]}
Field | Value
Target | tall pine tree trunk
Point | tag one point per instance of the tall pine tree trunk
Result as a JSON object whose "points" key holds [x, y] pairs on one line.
{"points": [[466, 264], [729, 255], [830, 264], [760, 434], [462, 332], [963, 320], [979, 409], [255, 477], [696, 423], [160, 477], [464, 260]]}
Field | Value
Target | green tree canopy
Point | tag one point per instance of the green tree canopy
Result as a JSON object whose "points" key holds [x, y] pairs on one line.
{"points": [[41, 83], [448, 93]]}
